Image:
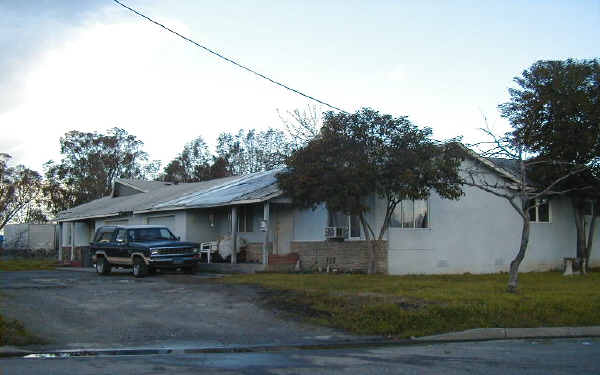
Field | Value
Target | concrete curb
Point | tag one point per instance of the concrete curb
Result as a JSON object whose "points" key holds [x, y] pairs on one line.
{"points": [[478, 334], [481, 334]]}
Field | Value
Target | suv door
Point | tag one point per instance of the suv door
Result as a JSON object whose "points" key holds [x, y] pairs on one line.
{"points": [[120, 246]]}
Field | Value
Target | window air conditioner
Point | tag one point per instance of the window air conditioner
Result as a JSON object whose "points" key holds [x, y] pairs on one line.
{"points": [[336, 232]]}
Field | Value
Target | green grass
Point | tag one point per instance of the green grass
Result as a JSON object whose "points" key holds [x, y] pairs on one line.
{"points": [[27, 264], [12, 332], [404, 306]]}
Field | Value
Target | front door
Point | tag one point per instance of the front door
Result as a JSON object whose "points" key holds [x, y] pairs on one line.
{"points": [[283, 231]]}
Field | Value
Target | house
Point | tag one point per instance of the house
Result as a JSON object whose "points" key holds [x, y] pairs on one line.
{"points": [[479, 233]]}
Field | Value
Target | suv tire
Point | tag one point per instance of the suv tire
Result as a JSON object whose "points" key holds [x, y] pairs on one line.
{"points": [[103, 267], [139, 267]]}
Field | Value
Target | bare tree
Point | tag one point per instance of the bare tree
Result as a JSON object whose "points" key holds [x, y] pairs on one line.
{"points": [[302, 125], [19, 188], [516, 187]]}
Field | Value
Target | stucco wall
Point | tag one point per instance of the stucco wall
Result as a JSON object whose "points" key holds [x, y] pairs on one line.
{"points": [[480, 233], [30, 236], [82, 230]]}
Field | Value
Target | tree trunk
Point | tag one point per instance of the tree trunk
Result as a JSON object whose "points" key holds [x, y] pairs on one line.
{"points": [[590, 240], [579, 226], [514, 265], [370, 244]]}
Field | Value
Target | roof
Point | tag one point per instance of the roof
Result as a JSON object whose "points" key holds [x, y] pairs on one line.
{"points": [[143, 185], [252, 188]]}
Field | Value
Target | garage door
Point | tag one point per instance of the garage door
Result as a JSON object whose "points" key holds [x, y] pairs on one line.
{"points": [[167, 221], [116, 222]]}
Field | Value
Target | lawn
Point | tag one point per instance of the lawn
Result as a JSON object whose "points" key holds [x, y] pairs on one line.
{"points": [[27, 264], [404, 306]]}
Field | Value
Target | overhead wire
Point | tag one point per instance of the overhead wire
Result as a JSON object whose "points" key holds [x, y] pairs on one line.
{"points": [[239, 65]]}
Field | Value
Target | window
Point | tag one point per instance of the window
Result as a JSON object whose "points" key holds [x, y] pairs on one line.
{"points": [[151, 234], [411, 214], [121, 235], [339, 219], [539, 211], [104, 236], [245, 218]]}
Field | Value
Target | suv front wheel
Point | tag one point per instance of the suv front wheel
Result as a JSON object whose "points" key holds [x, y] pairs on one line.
{"points": [[103, 267], [139, 267]]}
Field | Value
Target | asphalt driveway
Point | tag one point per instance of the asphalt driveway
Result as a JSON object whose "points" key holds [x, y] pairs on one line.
{"points": [[72, 309]]}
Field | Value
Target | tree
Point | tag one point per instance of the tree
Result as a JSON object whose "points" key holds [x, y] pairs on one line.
{"points": [[555, 114], [90, 164], [519, 186], [364, 154], [302, 125], [191, 165], [253, 151], [19, 188]]}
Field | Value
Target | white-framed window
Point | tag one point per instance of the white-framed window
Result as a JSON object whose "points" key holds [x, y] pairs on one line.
{"points": [[411, 213], [539, 211], [339, 219], [245, 219]]}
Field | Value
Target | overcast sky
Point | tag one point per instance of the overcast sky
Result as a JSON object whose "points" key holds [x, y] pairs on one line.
{"points": [[91, 65]]}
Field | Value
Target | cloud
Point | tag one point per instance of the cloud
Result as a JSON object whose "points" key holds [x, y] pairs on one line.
{"points": [[27, 30]]}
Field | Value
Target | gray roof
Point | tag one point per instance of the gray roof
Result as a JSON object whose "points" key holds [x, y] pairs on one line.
{"points": [[509, 165], [143, 185], [256, 187]]}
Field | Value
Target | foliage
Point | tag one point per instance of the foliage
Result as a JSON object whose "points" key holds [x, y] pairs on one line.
{"points": [[90, 164], [253, 151], [405, 306], [363, 154], [555, 113], [191, 165], [20, 189]]}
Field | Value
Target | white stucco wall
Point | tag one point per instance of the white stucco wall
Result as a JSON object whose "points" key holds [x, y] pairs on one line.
{"points": [[83, 232], [480, 233]]}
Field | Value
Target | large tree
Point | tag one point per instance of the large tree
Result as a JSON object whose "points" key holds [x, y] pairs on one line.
{"points": [[555, 114], [90, 164], [366, 154], [251, 151], [194, 164], [20, 188]]}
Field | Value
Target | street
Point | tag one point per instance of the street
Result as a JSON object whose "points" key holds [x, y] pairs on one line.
{"points": [[557, 356]]}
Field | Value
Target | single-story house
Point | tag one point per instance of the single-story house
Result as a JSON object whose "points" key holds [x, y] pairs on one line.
{"points": [[479, 233]]}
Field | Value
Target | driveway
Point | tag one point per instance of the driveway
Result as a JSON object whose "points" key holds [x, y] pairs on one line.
{"points": [[73, 309]]}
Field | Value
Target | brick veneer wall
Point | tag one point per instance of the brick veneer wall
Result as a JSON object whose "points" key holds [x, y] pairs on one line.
{"points": [[345, 255], [79, 251], [254, 251]]}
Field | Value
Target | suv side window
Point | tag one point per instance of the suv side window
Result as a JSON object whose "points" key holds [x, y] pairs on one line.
{"points": [[104, 236], [121, 235]]}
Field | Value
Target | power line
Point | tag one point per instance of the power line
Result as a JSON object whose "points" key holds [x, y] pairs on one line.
{"points": [[228, 59]]}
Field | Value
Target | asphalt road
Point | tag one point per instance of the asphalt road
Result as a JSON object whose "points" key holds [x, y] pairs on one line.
{"points": [[548, 357], [81, 310]]}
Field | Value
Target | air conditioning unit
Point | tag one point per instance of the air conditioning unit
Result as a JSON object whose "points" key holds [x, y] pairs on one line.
{"points": [[336, 232]]}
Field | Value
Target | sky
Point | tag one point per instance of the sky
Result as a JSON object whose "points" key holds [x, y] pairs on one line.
{"points": [[91, 65]]}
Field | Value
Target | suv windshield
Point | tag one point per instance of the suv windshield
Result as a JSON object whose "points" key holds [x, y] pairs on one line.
{"points": [[150, 234]]}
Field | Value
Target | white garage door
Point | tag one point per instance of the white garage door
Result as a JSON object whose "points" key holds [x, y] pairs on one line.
{"points": [[167, 221], [116, 222]]}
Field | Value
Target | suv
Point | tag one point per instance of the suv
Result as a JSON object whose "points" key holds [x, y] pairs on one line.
{"points": [[144, 248]]}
